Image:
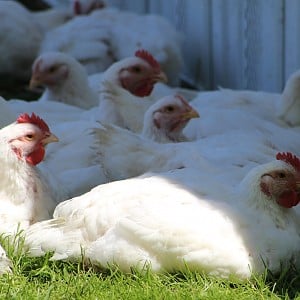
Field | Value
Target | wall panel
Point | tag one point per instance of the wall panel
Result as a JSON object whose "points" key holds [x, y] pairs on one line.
{"points": [[240, 44]]}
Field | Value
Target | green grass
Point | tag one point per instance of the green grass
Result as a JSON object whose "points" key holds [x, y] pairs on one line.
{"points": [[40, 278]]}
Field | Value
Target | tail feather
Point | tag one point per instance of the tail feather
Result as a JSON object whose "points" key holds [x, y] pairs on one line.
{"points": [[53, 236]]}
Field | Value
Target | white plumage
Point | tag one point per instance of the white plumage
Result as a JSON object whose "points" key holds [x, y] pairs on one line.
{"points": [[22, 33], [77, 155], [288, 106], [165, 119], [152, 32], [53, 112], [65, 80], [157, 219], [134, 154], [108, 35], [129, 77], [26, 196], [84, 39], [76, 160], [225, 110]]}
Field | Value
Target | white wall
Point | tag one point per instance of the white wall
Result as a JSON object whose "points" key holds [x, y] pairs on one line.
{"points": [[239, 44]]}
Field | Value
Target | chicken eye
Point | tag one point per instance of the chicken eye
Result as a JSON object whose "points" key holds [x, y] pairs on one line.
{"points": [[169, 108], [29, 137], [281, 175], [52, 69], [136, 69]]}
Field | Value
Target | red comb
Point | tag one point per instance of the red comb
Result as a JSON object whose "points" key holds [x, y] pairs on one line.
{"points": [[77, 7], [289, 158], [181, 99], [33, 119], [143, 54]]}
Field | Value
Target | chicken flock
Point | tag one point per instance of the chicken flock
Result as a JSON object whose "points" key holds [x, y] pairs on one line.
{"points": [[113, 166]]}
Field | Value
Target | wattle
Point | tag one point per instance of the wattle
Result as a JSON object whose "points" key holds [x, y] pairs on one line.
{"points": [[288, 199], [36, 156], [143, 90]]}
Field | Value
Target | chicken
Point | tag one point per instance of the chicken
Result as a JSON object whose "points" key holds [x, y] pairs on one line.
{"points": [[288, 106], [22, 33], [245, 109], [58, 15], [87, 6], [87, 41], [108, 35], [134, 154], [65, 80], [130, 224], [26, 196], [137, 75], [166, 118], [152, 32], [54, 112], [50, 18], [74, 127], [80, 7], [76, 160], [69, 159]]}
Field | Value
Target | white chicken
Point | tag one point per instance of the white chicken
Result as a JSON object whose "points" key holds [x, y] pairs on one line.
{"points": [[26, 196], [157, 220], [152, 32], [165, 119], [65, 80], [85, 40], [163, 123], [86, 164], [134, 154], [76, 160], [137, 75], [288, 107], [22, 33], [130, 109], [109, 35], [85, 7], [244, 109], [54, 113], [50, 18]]}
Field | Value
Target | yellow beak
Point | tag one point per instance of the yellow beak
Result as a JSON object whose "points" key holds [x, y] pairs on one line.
{"points": [[160, 77], [191, 114], [50, 139], [34, 82]]}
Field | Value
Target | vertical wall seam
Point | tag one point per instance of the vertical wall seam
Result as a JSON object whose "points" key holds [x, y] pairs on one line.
{"points": [[283, 43]]}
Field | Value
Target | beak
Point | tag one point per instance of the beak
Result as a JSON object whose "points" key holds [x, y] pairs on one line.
{"points": [[191, 114], [50, 139], [34, 82], [160, 77]]}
